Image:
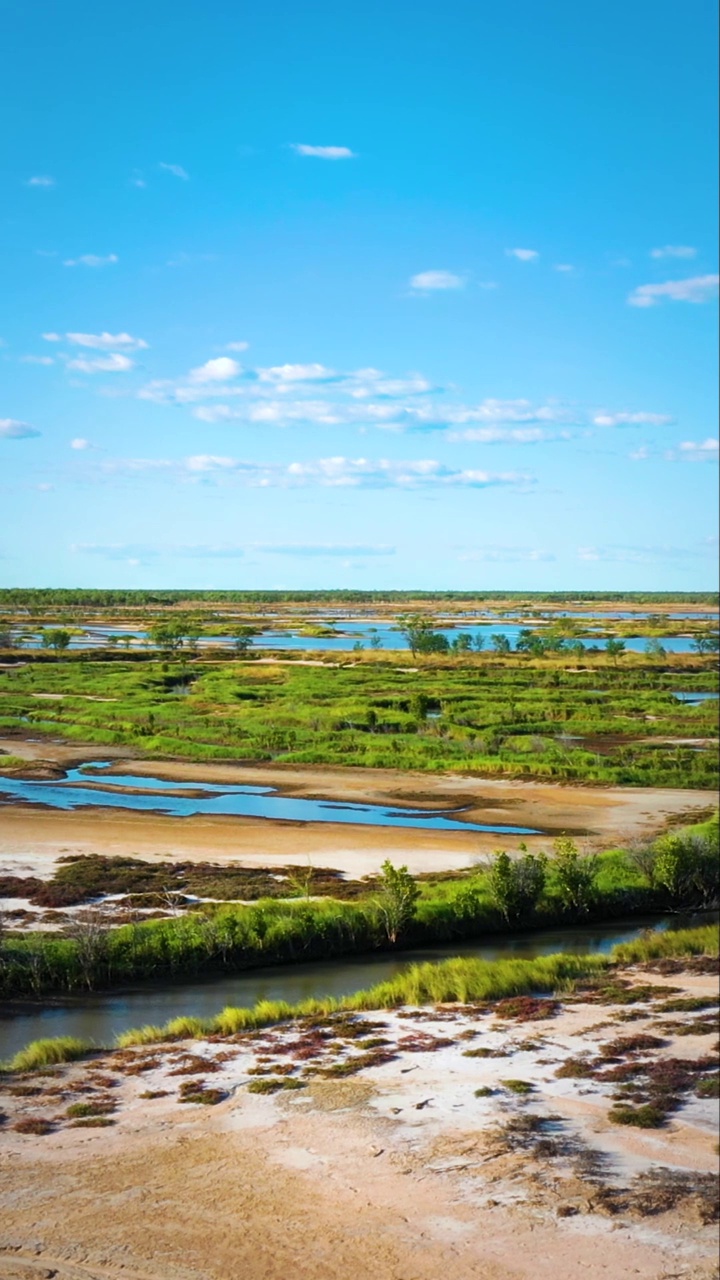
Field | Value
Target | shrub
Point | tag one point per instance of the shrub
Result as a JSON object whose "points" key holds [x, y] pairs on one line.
{"points": [[647, 1116], [33, 1125], [518, 1086], [82, 1110]]}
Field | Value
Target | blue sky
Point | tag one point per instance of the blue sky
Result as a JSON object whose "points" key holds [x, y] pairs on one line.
{"points": [[359, 295]]}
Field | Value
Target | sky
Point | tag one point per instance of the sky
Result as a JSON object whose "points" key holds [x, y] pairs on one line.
{"points": [[364, 295]]}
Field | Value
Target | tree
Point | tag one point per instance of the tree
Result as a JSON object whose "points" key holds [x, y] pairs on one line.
{"points": [[516, 885], [168, 636], [500, 643], [55, 638], [615, 648], [479, 642], [421, 635], [242, 638], [462, 642], [374, 638], [89, 930], [574, 875], [686, 866], [705, 644], [654, 649], [397, 900]]}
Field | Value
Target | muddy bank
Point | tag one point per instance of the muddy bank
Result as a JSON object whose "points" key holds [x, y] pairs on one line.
{"points": [[32, 838], [399, 1169]]}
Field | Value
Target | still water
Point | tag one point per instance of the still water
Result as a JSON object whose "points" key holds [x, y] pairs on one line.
{"points": [[88, 786], [352, 633], [100, 1017]]}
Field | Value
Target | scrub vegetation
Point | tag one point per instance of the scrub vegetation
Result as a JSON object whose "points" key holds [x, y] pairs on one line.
{"points": [[395, 911], [555, 717]]}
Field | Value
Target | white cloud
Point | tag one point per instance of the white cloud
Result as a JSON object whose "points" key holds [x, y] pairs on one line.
{"points": [[506, 555], [702, 451], [523, 255], [101, 341], [36, 360], [41, 180], [323, 153], [91, 260], [221, 369], [137, 552], [322, 549], [236, 346], [696, 289], [13, 429], [176, 170], [137, 179], [295, 373], [632, 419], [674, 251], [80, 443], [619, 554], [563, 266], [335, 472], [507, 435], [114, 363], [52, 337], [432, 281]]}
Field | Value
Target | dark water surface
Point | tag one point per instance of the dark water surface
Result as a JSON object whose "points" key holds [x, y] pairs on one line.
{"points": [[86, 788], [100, 1017]]}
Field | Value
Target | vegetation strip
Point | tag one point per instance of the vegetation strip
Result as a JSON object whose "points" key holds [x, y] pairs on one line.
{"points": [[451, 982]]}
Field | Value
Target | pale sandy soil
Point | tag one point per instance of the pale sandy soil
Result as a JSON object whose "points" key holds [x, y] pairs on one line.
{"points": [[396, 1173], [32, 838]]}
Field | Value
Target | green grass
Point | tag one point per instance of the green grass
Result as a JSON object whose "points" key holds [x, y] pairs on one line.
{"points": [[451, 981], [515, 717], [50, 1052], [659, 946]]}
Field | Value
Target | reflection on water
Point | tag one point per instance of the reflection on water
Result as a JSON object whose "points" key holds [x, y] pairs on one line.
{"points": [[100, 1017], [82, 788]]}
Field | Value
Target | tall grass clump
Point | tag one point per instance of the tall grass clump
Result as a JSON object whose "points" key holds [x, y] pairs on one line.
{"points": [[451, 981], [49, 1053], [704, 940]]}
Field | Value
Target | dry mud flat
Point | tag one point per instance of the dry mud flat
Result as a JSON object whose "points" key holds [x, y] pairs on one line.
{"points": [[395, 1171], [32, 838]]}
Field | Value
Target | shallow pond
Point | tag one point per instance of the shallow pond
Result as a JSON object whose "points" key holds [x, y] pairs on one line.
{"points": [[101, 1016], [385, 637], [89, 786]]}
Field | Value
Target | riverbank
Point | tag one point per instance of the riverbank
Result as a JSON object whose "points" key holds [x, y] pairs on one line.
{"points": [[406, 1148], [32, 839]]}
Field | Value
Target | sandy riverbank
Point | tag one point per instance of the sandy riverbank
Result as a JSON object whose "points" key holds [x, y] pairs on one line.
{"points": [[31, 839], [397, 1171]]}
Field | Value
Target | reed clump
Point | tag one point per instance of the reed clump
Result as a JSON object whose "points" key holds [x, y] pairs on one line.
{"points": [[50, 1052]]}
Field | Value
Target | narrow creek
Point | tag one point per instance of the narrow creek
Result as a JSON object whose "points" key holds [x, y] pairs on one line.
{"points": [[100, 1016]]}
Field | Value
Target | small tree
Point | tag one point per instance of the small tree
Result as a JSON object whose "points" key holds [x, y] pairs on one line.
{"points": [[705, 644], [397, 900], [615, 649], [500, 643], [686, 866], [55, 638], [654, 649], [575, 876], [516, 885]]}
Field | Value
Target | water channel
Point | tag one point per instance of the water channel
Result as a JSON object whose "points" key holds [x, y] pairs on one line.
{"points": [[99, 1016], [89, 786]]}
